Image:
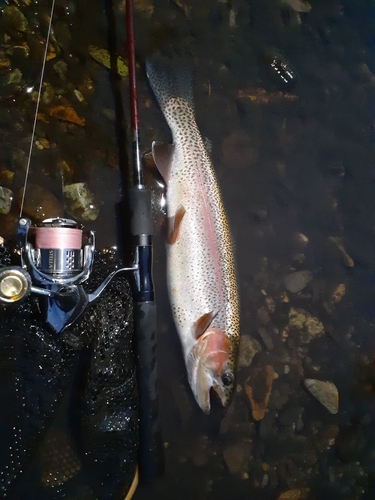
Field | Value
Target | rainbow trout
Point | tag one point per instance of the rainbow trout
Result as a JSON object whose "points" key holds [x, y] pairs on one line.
{"points": [[201, 275]]}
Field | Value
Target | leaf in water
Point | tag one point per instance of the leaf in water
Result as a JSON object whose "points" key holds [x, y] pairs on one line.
{"points": [[67, 114], [103, 57]]}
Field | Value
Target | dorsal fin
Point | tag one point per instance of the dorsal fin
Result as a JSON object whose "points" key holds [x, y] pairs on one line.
{"points": [[202, 323], [163, 154]]}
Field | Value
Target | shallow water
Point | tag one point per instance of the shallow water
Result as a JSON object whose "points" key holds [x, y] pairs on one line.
{"points": [[294, 162]]}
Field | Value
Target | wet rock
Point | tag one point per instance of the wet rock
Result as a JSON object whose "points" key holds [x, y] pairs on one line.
{"points": [[79, 202], [325, 392], [295, 494], [40, 204], [42, 143], [79, 95], [296, 282], [19, 159], [14, 77], [4, 61], [63, 36], [270, 304], [266, 338], [338, 293], [263, 317], [6, 177], [258, 387], [48, 94], [301, 239], [6, 198], [145, 7], [237, 455], [14, 19], [61, 68], [249, 347], [303, 324]]}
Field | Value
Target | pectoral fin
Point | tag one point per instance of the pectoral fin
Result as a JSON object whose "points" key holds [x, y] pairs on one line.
{"points": [[174, 224], [163, 154], [202, 323]]}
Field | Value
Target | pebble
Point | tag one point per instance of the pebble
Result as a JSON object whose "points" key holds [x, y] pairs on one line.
{"points": [[249, 347], [266, 338], [302, 323], [14, 19], [295, 494], [338, 293], [258, 387], [296, 282], [61, 69], [79, 202], [40, 204], [325, 392], [236, 456], [263, 317], [6, 198], [14, 77]]}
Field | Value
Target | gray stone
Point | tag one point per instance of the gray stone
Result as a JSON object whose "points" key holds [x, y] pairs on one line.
{"points": [[325, 392], [296, 282]]}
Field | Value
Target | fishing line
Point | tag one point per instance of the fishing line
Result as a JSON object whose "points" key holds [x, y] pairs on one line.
{"points": [[37, 106]]}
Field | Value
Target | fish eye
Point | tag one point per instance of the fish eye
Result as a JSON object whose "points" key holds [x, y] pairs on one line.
{"points": [[227, 379]]}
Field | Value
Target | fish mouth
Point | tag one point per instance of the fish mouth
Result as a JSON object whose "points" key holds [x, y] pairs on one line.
{"points": [[204, 384], [208, 367]]}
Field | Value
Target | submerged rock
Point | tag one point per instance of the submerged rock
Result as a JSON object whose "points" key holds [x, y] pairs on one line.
{"points": [[258, 387], [6, 198], [79, 202], [249, 347], [304, 324], [296, 282], [14, 19], [325, 392], [295, 494], [237, 455], [40, 204]]}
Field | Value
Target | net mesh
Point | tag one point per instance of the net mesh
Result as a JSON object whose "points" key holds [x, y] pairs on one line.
{"points": [[68, 418]]}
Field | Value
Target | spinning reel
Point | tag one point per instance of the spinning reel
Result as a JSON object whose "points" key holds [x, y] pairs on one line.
{"points": [[56, 258]]}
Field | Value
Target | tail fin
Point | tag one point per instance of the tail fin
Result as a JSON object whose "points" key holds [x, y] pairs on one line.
{"points": [[168, 82]]}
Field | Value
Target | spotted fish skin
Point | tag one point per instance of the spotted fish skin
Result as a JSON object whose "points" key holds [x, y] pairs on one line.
{"points": [[200, 264]]}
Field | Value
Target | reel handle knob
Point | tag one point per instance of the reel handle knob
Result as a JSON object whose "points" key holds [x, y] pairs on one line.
{"points": [[15, 284]]}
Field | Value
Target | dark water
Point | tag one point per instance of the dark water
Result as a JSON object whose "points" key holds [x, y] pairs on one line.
{"points": [[294, 156]]}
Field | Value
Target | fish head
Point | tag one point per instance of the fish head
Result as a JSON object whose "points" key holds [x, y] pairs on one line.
{"points": [[210, 366]]}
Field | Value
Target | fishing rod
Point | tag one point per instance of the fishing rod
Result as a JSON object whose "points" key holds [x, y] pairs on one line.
{"points": [[150, 442]]}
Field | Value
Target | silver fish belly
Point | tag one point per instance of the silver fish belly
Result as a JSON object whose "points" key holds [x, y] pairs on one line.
{"points": [[201, 273]]}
